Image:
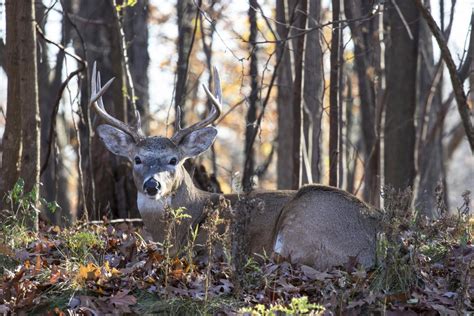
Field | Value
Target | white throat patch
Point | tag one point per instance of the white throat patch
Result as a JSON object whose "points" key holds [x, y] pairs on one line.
{"points": [[147, 205]]}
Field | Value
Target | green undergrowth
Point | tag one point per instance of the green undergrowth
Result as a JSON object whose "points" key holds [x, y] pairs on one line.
{"points": [[149, 304]]}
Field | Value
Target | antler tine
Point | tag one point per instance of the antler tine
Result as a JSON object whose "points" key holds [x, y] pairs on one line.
{"points": [[96, 102], [214, 111], [217, 85]]}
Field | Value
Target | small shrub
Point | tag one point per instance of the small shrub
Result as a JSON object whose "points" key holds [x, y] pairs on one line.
{"points": [[15, 220]]}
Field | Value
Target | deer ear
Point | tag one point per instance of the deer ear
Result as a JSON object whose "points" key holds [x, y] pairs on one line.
{"points": [[198, 141], [118, 142]]}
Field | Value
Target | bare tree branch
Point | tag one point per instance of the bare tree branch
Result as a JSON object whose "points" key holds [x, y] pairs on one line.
{"points": [[2, 53], [460, 95], [463, 71], [402, 17], [303, 31], [125, 62]]}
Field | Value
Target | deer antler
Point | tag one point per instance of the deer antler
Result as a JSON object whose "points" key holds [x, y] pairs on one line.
{"points": [[96, 102], [214, 112]]}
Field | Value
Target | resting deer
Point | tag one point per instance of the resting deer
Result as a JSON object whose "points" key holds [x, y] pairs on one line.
{"points": [[317, 225]]}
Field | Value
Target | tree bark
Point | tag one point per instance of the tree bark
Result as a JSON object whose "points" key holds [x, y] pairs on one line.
{"points": [[334, 97], [363, 33], [300, 23], [10, 170], [28, 97], [115, 195], [399, 147], [186, 15], [313, 91], [284, 100], [430, 155], [350, 152], [136, 32], [207, 48], [253, 100], [54, 183]]}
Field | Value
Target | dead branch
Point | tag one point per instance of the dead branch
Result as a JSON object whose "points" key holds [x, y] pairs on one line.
{"points": [[456, 82]]}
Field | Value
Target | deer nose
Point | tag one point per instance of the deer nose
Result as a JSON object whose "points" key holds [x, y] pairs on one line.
{"points": [[151, 187]]}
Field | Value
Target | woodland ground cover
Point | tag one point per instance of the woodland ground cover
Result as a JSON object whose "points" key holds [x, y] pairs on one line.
{"points": [[425, 267]]}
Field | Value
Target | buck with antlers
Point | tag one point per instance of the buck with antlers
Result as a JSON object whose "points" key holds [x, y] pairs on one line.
{"points": [[317, 225]]}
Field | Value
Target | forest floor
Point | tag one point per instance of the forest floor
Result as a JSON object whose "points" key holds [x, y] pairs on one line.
{"points": [[425, 267]]}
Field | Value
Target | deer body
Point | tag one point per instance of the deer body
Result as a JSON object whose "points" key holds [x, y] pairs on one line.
{"points": [[298, 225], [317, 225]]}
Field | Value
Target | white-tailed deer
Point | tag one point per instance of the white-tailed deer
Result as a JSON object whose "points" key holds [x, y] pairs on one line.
{"points": [[317, 225]]}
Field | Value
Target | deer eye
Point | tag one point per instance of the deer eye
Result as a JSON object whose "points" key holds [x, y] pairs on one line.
{"points": [[173, 161], [138, 160]]}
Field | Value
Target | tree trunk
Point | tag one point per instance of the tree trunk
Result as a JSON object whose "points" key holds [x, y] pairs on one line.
{"points": [[363, 33], [207, 48], [253, 100], [10, 170], [284, 100], [300, 23], [136, 32], [313, 92], [402, 54], [49, 83], [186, 15], [430, 156], [334, 97], [350, 152], [28, 97], [110, 190]]}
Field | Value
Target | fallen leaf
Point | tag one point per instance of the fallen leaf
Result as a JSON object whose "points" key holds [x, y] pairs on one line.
{"points": [[123, 301], [314, 274]]}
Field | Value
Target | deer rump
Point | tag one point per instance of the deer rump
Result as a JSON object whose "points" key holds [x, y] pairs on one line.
{"points": [[319, 226]]}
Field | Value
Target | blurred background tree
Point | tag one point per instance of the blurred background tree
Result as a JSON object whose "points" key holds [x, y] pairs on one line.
{"points": [[292, 71]]}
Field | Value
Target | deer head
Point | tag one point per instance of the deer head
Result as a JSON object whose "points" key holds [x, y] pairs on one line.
{"points": [[157, 161]]}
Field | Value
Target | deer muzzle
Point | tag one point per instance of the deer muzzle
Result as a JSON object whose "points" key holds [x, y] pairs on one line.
{"points": [[151, 187]]}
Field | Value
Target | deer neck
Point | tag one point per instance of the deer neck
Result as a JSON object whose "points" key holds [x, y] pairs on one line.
{"points": [[187, 195]]}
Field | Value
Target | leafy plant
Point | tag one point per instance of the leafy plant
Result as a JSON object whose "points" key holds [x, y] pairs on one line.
{"points": [[125, 4], [21, 213], [298, 306], [24, 207], [81, 243]]}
